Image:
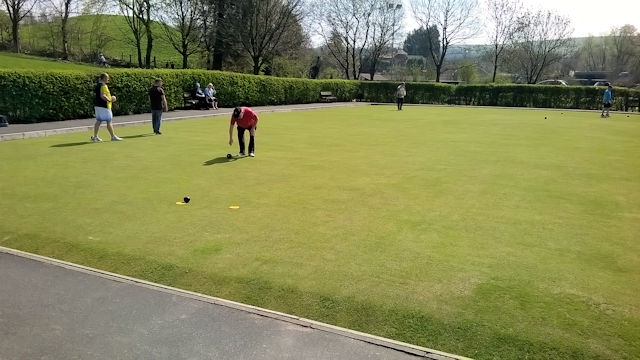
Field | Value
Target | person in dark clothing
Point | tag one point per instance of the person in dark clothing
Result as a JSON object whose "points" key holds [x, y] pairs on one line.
{"points": [[199, 95], [158, 105]]}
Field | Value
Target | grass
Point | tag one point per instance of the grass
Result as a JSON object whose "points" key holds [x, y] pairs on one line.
{"points": [[489, 233], [119, 44], [27, 62]]}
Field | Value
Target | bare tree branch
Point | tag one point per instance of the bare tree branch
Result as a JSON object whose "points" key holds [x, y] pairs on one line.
{"points": [[456, 20], [503, 21], [18, 10], [541, 40]]}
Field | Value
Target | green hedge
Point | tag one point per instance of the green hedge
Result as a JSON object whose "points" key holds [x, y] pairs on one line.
{"points": [[417, 93], [37, 96], [562, 97]]}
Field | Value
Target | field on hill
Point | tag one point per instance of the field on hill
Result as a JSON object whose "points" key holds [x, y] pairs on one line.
{"points": [[26, 62], [489, 233], [109, 34]]}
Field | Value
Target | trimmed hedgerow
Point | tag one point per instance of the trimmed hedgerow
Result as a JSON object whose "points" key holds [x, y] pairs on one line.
{"points": [[38, 96]]}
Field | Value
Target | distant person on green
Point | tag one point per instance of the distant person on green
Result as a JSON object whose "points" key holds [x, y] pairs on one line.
{"points": [[606, 101], [102, 101], [246, 119], [401, 92], [158, 105]]}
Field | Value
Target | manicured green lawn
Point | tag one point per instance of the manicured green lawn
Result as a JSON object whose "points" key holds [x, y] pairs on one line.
{"points": [[489, 233]]}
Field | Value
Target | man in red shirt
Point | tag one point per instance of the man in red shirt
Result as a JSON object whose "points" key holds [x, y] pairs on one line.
{"points": [[246, 119]]}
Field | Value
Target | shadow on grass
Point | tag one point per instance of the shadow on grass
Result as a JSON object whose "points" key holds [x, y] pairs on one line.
{"points": [[71, 144], [137, 136], [89, 142], [219, 160]]}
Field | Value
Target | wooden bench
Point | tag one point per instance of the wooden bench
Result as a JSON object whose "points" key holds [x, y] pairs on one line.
{"points": [[327, 96], [189, 101]]}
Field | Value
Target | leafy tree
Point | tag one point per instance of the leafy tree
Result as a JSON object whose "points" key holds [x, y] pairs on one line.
{"points": [[207, 21], [220, 31], [5, 29], [418, 42]]}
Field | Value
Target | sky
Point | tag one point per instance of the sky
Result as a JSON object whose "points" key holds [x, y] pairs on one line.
{"points": [[586, 19]]}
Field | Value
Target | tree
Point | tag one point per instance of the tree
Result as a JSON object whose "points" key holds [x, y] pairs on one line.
{"points": [[17, 10], [293, 55], [145, 18], [206, 11], [5, 29], [61, 10], [625, 43], [262, 25], [593, 53], [455, 19], [541, 40], [418, 42], [138, 15], [129, 9], [219, 30], [503, 19], [344, 27], [181, 15], [385, 22]]}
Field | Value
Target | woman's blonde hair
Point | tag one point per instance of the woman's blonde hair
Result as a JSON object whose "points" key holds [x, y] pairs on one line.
{"points": [[210, 84]]}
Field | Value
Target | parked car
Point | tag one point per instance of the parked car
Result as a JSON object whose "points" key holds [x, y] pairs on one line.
{"points": [[553, 82]]}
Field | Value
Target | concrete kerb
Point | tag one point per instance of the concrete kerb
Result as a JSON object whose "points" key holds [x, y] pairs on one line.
{"points": [[263, 109], [368, 338]]}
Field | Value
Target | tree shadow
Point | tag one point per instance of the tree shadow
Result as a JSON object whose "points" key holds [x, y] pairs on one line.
{"points": [[220, 160]]}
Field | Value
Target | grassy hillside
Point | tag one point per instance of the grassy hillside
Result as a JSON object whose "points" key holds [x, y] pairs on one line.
{"points": [[91, 34], [9, 60]]}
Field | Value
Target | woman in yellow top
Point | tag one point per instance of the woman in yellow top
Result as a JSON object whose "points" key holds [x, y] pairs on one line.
{"points": [[102, 104]]}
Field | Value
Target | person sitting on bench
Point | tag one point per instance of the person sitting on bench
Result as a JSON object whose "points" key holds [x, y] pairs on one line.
{"points": [[210, 94], [199, 95]]}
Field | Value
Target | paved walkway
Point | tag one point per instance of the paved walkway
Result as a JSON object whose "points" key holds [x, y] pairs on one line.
{"points": [[51, 309], [25, 131]]}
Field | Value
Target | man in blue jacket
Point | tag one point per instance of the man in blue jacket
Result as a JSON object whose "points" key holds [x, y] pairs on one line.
{"points": [[606, 101]]}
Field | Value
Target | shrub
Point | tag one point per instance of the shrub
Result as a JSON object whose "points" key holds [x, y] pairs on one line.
{"points": [[37, 96]]}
